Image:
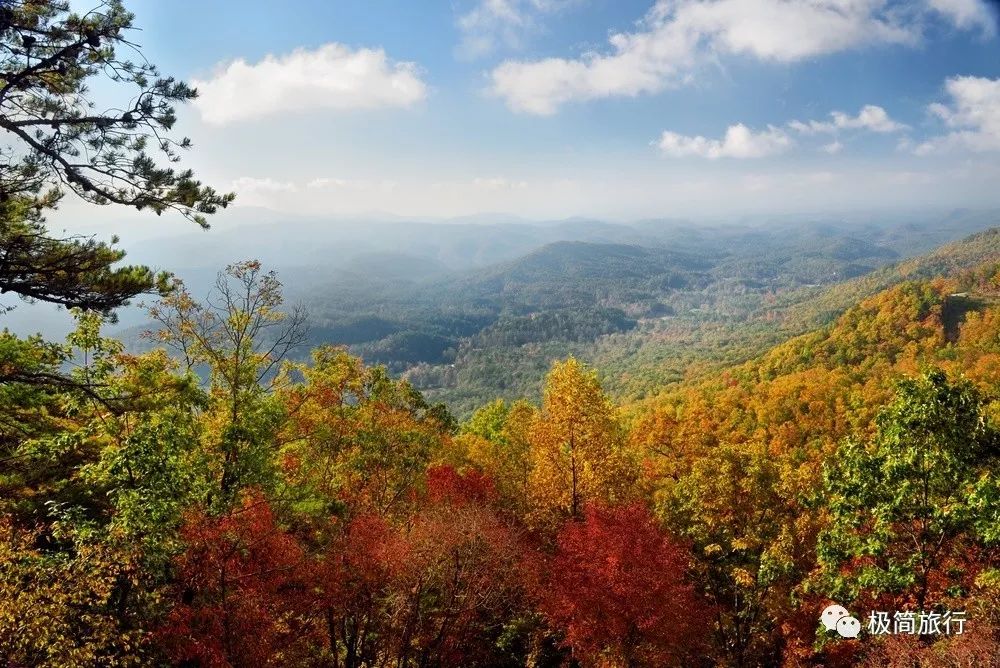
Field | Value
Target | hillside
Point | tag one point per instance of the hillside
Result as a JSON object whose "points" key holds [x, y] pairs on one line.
{"points": [[500, 334], [814, 307], [691, 347], [570, 262], [819, 387], [744, 485], [710, 317], [752, 463], [664, 302]]}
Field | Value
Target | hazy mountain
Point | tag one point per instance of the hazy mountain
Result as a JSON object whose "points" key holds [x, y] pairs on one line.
{"points": [[485, 305]]}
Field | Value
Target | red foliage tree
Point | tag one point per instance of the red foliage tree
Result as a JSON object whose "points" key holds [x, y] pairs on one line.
{"points": [[446, 485], [616, 589], [240, 591], [353, 580], [433, 589], [461, 584]]}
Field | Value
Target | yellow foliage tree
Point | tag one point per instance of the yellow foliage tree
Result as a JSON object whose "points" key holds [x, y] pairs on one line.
{"points": [[496, 440], [355, 434], [578, 450], [58, 609]]}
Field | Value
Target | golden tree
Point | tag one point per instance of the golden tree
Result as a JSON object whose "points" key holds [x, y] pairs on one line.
{"points": [[578, 448]]}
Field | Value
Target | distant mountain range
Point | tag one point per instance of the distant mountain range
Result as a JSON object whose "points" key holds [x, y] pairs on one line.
{"points": [[486, 306]]}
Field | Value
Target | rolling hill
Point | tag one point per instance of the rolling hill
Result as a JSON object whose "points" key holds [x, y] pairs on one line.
{"points": [[648, 304]]}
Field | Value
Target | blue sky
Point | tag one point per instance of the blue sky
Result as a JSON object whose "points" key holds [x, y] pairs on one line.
{"points": [[619, 109]]}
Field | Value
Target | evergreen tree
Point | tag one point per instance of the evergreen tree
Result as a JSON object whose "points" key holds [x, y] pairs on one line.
{"points": [[57, 140]]}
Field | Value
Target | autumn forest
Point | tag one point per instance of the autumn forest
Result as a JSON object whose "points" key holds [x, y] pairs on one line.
{"points": [[691, 453]]}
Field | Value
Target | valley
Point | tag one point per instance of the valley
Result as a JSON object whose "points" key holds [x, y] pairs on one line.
{"points": [[675, 301]]}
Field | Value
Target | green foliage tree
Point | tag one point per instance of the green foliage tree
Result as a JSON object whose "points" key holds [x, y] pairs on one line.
{"points": [[45, 433], [355, 434], [240, 335], [906, 507], [29, 385], [73, 272], [116, 463], [496, 439], [56, 139], [57, 607], [746, 536]]}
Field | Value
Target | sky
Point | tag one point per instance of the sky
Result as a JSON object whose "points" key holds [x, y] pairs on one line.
{"points": [[614, 109]]}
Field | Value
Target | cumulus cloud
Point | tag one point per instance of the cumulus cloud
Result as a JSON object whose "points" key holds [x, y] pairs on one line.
{"points": [[966, 14], [676, 35], [742, 142], [332, 77], [973, 114], [871, 118], [492, 24], [334, 183], [738, 142], [255, 191]]}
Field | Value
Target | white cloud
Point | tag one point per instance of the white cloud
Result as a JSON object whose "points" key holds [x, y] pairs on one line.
{"points": [[499, 183], [491, 24], [332, 77], [266, 184], [907, 178], [332, 183], [965, 14], [409, 196], [973, 114], [738, 142], [820, 177], [871, 118], [677, 35], [255, 191], [742, 142]]}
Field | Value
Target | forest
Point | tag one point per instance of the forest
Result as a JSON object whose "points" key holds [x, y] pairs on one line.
{"points": [[228, 486], [478, 312]]}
